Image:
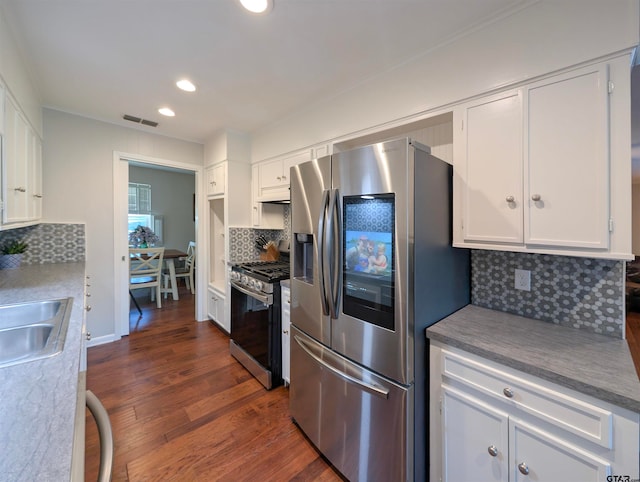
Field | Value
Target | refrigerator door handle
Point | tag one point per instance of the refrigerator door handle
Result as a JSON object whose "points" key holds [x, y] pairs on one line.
{"points": [[322, 226], [333, 252], [367, 387]]}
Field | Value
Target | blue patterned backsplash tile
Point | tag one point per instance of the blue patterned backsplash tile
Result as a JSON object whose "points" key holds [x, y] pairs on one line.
{"points": [[49, 243], [242, 240], [582, 293]]}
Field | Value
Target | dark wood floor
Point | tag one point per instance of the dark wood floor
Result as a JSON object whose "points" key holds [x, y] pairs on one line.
{"points": [[633, 337], [182, 409]]}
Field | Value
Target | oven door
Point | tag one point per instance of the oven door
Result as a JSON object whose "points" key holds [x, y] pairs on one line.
{"points": [[255, 334]]}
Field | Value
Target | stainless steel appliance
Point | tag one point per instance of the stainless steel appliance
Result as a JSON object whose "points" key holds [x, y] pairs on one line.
{"points": [[372, 267], [256, 318]]}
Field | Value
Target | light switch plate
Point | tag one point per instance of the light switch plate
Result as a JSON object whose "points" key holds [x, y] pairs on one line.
{"points": [[523, 279]]}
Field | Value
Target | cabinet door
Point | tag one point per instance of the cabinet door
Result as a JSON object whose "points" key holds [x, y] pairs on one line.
{"points": [[271, 174], [566, 158], [492, 169], [476, 444], [286, 326], [536, 455], [35, 176], [15, 165], [215, 180]]}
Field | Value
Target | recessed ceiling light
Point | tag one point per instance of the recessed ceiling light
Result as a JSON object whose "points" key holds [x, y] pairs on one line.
{"points": [[166, 111], [257, 6], [186, 85]]}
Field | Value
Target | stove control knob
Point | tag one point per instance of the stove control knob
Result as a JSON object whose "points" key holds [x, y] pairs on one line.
{"points": [[244, 279], [234, 276], [257, 285]]}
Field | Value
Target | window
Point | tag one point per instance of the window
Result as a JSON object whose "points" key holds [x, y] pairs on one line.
{"points": [[140, 209], [139, 198]]}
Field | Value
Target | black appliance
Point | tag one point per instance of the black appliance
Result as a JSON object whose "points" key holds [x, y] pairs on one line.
{"points": [[256, 322]]}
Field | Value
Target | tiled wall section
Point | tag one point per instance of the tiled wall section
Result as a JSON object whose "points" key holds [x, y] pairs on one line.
{"points": [[579, 293], [49, 243], [242, 240]]}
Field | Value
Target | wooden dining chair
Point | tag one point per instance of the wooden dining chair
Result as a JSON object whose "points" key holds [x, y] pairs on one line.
{"points": [[145, 270], [185, 272]]}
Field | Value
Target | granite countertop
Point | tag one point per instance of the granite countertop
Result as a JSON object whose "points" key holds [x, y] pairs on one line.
{"points": [[39, 397], [596, 365]]}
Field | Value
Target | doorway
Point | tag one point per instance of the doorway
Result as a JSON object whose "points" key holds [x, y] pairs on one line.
{"points": [[122, 163]]}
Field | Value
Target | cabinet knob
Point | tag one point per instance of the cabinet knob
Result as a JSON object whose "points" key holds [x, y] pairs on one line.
{"points": [[39, 196], [88, 295], [508, 392], [279, 178], [536, 197], [20, 189], [510, 199], [523, 468], [88, 336], [284, 177], [286, 332], [493, 451], [88, 308]]}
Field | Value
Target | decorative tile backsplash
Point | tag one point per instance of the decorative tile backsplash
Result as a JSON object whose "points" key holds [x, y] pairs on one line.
{"points": [[242, 240], [49, 243], [575, 292]]}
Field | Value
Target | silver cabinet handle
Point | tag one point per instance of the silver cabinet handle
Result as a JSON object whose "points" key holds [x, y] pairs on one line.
{"points": [[39, 196], [279, 178], [88, 336], [523, 468], [536, 197], [510, 199], [106, 436], [508, 392], [286, 332], [20, 189], [493, 451], [284, 177], [88, 308]]}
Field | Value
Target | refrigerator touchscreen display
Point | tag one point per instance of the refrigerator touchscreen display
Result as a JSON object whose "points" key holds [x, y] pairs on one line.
{"points": [[368, 253]]}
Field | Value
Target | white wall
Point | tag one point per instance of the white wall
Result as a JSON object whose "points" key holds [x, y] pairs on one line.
{"points": [[78, 187], [172, 198], [544, 37]]}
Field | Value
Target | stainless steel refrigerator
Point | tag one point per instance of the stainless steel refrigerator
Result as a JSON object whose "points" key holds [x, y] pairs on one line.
{"points": [[372, 267]]}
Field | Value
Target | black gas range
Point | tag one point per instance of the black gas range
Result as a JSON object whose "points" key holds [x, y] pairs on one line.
{"points": [[256, 326]]}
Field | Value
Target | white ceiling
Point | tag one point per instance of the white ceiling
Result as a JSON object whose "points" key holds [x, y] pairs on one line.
{"points": [[106, 58]]}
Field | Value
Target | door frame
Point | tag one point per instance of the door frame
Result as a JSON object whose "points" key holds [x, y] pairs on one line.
{"points": [[121, 162]]}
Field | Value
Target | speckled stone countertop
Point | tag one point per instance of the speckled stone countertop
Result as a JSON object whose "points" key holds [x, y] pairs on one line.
{"points": [[38, 398], [597, 365]]}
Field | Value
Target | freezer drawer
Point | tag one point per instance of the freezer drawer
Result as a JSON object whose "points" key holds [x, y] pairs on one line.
{"points": [[360, 421]]}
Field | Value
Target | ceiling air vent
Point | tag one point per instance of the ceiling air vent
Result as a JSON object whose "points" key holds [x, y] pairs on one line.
{"points": [[139, 120]]}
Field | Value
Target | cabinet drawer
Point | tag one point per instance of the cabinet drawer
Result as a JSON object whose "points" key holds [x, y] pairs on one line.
{"points": [[580, 418]]}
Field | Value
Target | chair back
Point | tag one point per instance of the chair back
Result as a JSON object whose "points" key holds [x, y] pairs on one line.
{"points": [[145, 263], [190, 262], [191, 249]]}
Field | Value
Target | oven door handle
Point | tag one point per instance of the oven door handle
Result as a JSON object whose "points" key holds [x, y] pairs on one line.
{"points": [[266, 299]]}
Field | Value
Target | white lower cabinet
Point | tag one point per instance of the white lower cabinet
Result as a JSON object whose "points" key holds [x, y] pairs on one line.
{"points": [[286, 337], [216, 308], [492, 423]]}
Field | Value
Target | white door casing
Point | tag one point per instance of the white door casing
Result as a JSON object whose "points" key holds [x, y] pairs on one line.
{"points": [[121, 248]]}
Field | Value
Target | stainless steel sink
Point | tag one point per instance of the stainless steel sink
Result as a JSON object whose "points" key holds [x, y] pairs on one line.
{"points": [[33, 330]]}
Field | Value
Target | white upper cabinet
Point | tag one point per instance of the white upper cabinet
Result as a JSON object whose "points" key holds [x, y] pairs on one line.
{"points": [[535, 167], [273, 176], [216, 177], [21, 169], [567, 160], [492, 174], [15, 165]]}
